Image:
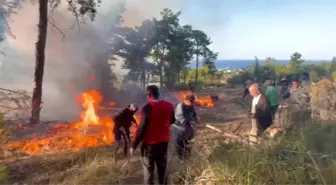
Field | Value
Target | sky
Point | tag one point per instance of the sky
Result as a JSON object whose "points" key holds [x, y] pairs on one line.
{"points": [[242, 29]]}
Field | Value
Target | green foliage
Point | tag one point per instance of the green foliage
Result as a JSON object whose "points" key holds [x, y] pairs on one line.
{"points": [[169, 46], [80, 8], [294, 63], [270, 62], [332, 67], [256, 68], [239, 77], [293, 70]]}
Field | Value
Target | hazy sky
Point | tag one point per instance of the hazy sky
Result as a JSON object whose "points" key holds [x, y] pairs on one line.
{"points": [[246, 28], [242, 29]]}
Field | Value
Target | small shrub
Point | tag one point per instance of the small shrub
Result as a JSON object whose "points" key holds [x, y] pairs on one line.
{"points": [[323, 99]]}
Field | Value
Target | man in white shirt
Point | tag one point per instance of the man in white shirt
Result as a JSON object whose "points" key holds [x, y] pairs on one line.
{"points": [[261, 113]]}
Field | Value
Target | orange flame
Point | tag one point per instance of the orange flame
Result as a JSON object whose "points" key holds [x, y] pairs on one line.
{"points": [[203, 101], [90, 131]]}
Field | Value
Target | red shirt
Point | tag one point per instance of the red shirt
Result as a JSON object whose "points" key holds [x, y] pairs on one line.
{"points": [[155, 121]]}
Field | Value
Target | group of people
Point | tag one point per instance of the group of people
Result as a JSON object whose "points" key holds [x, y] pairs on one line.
{"points": [[158, 122], [265, 103]]}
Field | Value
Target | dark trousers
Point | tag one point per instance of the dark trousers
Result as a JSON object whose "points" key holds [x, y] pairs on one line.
{"points": [[155, 154], [118, 134], [182, 141]]}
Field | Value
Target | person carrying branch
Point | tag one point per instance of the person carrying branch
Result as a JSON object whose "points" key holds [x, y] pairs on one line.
{"points": [[156, 118], [183, 129], [122, 124], [261, 114]]}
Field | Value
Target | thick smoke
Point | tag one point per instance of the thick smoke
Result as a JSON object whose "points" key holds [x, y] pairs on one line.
{"points": [[140, 10], [70, 52]]}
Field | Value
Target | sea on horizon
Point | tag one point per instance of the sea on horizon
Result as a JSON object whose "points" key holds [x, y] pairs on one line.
{"points": [[238, 64]]}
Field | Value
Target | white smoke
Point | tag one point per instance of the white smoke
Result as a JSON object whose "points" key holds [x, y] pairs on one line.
{"points": [[68, 59]]}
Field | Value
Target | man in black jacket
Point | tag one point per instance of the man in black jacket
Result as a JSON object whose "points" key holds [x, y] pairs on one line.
{"points": [[122, 124], [261, 113]]}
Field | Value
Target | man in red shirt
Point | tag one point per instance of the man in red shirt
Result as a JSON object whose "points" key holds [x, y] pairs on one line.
{"points": [[156, 118]]}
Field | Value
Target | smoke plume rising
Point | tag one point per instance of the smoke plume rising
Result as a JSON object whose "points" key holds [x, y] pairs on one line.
{"points": [[70, 54]]}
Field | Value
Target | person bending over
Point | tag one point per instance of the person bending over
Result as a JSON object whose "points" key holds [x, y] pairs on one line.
{"points": [[122, 124], [183, 128]]}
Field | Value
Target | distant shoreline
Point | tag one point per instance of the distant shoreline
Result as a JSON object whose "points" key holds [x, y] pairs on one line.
{"points": [[238, 64]]}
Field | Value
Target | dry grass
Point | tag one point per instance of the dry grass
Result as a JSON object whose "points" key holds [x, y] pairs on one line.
{"points": [[304, 155], [94, 166]]}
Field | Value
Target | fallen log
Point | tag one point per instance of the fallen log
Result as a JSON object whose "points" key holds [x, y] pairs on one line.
{"points": [[225, 134]]}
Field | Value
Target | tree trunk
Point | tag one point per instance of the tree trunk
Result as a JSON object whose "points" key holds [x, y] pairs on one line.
{"points": [[185, 72], [39, 64], [148, 77], [161, 65], [143, 79], [196, 72]]}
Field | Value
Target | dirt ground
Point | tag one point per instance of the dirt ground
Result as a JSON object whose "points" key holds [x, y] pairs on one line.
{"points": [[228, 115]]}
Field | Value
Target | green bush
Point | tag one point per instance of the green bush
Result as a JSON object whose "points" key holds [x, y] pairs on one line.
{"points": [[239, 78]]}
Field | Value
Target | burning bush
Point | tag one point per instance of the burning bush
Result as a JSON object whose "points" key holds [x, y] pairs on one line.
{"points": [[91, 131], [207, 101]]}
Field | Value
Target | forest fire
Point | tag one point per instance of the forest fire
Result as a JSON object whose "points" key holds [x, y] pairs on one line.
{"points": [[91, 131], [203, 101]]}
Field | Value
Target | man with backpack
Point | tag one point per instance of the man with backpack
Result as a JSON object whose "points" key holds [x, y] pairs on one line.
{"points": [[156, 118]]}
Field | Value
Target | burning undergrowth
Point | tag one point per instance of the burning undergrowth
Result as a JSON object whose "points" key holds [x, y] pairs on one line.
{"points": [[207, 101], [92, 130]]}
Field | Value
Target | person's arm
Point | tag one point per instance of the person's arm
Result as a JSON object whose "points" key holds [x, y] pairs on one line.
{"points": [[173, 115], [134, 121], [144, 121], [179, 116], [195, 116]]}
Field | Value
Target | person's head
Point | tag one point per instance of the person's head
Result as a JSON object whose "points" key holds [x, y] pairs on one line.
{"points": [[268, 83], [133, 107], [284, 81], [189, 100], [152, 92], [295, 84], [254, 90]]}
